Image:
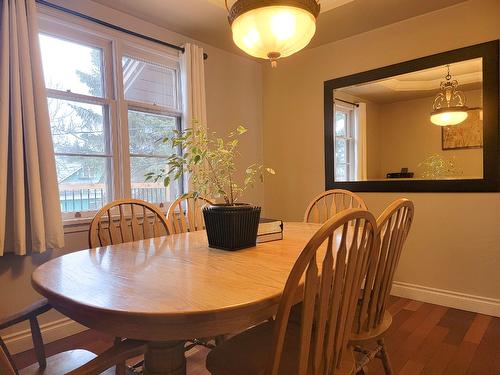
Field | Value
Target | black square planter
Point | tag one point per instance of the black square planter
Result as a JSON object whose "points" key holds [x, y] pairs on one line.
{"points": [[231, 227]]}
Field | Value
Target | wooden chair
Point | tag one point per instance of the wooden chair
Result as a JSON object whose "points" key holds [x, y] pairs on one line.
{"points": [[73, 362], [127, 220], [318, 345], [331, 202], [372, 319], [185, 214]]}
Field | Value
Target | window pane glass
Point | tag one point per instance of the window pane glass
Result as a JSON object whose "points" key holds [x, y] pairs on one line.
{"points": [[145, 132], [340, 124], [77, 127], [83, 182], [150, 191], [340, 151], [150, 83], [73, 67], [340, 172]]}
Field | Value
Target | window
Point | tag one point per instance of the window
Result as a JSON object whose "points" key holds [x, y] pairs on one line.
{"points": [[151, 83], [150, 90], [106, 130], [146, 155], [79, 122], [345, 164]]}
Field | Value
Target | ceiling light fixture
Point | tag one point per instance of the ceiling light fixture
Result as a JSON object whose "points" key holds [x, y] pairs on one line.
{"points": [[272, 29], [449, 105]]}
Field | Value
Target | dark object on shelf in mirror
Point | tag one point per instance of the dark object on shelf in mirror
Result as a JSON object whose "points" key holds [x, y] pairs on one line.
{"points": [[403, 174], [231, 227]]}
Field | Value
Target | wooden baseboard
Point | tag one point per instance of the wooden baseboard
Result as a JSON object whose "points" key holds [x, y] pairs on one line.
{"points": [[448, 298], [20, 341]]}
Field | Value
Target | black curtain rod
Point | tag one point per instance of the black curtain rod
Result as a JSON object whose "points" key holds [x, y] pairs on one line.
{"points": [[111, 26], [345, 101]]}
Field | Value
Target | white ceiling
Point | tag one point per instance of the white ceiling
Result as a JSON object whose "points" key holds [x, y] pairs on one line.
{"points": [[326, 5], [206, 20]]}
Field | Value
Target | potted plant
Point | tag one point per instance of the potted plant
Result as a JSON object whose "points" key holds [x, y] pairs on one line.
{"points": [[209, 163]]}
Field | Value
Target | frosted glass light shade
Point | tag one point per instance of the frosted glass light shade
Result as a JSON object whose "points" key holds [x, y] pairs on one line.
{"points": [[447, 117], [273, 31]]}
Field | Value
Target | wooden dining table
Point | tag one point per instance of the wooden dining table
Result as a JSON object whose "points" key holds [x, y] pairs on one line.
{"points": [[171, 289]]}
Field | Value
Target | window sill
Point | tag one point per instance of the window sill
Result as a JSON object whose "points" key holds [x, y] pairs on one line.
{"points": [[75, 225], [82, 224]]}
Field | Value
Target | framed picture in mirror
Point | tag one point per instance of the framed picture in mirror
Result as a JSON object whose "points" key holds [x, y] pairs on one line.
{"points": [[468, 134]]}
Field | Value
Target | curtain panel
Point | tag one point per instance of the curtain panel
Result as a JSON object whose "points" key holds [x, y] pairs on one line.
{"points": [[360, 143], [193, 86], [30, 213]]}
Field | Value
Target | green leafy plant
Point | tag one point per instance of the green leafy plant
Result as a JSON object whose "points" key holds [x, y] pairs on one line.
{"points": [[209, 161], [437, 167]]}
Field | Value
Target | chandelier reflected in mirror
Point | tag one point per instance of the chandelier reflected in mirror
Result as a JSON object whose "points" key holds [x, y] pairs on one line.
{"points": [[449, 104], [273, 29]]}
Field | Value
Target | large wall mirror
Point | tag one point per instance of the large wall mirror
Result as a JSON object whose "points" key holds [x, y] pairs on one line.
{"points": [[429, 124]]}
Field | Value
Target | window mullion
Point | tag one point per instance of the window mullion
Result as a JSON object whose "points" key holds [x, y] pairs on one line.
{"points": [[86, 154], [149, 156], [153, 108], [123, 172], [71, 96]]}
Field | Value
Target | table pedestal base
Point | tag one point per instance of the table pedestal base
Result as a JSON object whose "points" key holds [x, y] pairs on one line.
{"points": [[165, 358]]}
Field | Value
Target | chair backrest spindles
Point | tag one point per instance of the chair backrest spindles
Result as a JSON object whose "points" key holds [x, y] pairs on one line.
{"points": [[127, 220], [185, 214], [393, 226], [330, 203], [341, 248]]}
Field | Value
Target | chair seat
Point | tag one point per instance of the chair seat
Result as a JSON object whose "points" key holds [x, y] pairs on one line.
{"points": [[61, 363], [373, 334], [248, 352]]}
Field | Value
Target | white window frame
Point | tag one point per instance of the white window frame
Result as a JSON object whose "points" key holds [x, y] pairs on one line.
{"points": [[134, 51], [349, 139], [114, 45]]}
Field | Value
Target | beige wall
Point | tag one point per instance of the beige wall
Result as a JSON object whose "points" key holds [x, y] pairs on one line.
{"points": [[374, 141], [454, 243], [234, 97], [409, 138]]}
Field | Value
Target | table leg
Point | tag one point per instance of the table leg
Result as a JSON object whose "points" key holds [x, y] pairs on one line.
{"points": [[165, 358]]}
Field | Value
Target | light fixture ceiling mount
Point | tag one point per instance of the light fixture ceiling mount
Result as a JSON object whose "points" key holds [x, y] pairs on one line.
{"points": [[273, 29]]}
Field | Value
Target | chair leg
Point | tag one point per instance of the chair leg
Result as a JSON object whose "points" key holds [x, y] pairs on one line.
{"points": [[121, 368], [219, 339], [38, 342], [384, 357]]}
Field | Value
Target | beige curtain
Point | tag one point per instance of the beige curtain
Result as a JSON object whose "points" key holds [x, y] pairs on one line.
{"points": [[193, 86], [360, 143], [30, 215]]}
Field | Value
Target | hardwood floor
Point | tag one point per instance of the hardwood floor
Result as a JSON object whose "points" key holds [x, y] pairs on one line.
{"points": [[424, 339]]}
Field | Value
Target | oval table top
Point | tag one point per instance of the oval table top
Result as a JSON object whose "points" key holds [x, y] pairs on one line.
{"points": [[173, 287]]}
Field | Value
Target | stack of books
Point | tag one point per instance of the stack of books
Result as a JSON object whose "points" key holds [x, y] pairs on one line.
{"points": [[269, 230]]}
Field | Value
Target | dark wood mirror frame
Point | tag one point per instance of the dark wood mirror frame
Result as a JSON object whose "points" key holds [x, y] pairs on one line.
{"points": [[489, 52]]}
